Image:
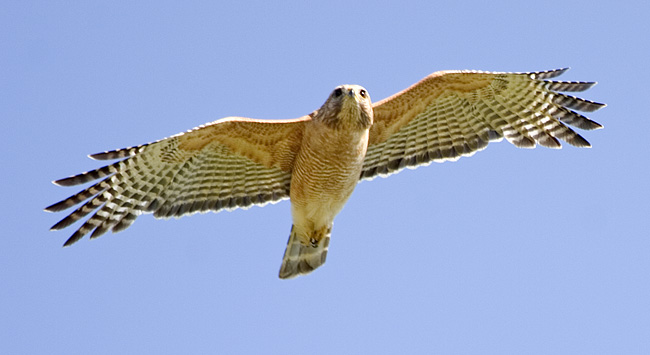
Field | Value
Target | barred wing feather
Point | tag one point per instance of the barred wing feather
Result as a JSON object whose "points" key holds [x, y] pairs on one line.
{"points": [[451, 114], [230, 163]]}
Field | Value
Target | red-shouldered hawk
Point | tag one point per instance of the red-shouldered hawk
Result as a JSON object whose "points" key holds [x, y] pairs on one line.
{"points": [[317, 160]]}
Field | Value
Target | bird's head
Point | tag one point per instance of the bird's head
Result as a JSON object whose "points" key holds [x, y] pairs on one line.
{"points": [[348, 107]]}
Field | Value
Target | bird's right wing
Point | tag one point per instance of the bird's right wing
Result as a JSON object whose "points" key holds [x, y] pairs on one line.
{"points": [[227, 164]]}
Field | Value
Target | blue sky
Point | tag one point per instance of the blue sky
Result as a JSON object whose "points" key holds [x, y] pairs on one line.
{"points": [[509, 251]]}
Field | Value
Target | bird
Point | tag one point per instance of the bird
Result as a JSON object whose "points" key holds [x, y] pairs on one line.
{"points": [[317, 160]]}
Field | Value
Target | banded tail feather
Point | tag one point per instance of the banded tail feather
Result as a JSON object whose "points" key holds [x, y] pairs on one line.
{"points": [[303, 256]]}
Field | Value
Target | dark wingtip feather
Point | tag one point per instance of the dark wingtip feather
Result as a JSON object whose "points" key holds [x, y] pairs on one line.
{"points": [[549, 141], [118, 153], [575, 119], [579, 141], [577, 103], [59, 206], [65, 222], [65, 181], [73, 239], [548, 74], [110, 155], [77, 198], [88, 175], [569, 86], [522, 141], [76, 179], [124, 223], [99, 231]]}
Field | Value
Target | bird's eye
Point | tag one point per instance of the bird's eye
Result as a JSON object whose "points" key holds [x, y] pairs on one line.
{"points": [[338, 92], [362, 92]]}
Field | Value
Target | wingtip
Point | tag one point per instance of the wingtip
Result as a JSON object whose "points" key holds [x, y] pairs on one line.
{"points": [[579, 142], [68, 181], [555, 72], [73, 239], [589, 84], [60, 225], [58, 182], [558, 71], [597, 106], [548, 74]]}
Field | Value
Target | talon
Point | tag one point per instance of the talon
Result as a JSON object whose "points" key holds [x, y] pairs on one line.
{"points": [[314, 242]]}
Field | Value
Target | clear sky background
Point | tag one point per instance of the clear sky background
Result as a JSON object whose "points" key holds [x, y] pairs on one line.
{"points": [[509, 251]]}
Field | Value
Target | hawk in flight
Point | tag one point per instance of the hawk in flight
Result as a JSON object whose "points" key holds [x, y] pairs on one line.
{"points": [[317, 160]]}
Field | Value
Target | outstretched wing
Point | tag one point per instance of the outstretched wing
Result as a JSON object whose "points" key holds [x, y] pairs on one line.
{"points": [[226, 164], [450, 114]]}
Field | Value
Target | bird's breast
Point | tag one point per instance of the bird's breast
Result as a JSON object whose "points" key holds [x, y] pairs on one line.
{"points": [[326, 171]]}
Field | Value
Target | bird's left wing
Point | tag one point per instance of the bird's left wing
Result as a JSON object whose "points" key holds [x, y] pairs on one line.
{"points": [[450, 114], [227, 164]]}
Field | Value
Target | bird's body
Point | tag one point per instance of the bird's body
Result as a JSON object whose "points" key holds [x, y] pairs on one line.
{"points": [[317, 160], [322, 183], [325, 172]]}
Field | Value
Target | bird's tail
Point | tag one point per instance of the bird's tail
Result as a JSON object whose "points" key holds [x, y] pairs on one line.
{"points": [[303, 255]]}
